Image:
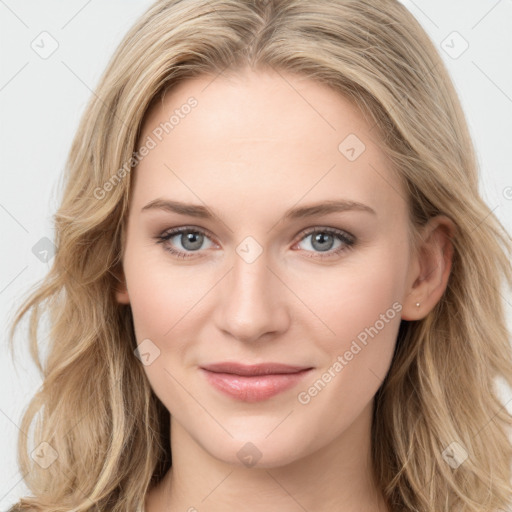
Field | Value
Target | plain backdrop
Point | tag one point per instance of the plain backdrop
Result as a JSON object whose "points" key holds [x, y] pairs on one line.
{"points": [[52, 55]]}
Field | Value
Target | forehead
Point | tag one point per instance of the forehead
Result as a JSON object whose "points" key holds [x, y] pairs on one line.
{"points": [[262, 133], [260, 105]]}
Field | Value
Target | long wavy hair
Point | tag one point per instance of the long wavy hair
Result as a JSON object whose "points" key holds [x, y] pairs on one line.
{"points": [[96, 410]]}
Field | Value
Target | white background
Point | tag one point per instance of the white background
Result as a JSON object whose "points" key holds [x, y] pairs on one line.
{"points": [[41, 101]]}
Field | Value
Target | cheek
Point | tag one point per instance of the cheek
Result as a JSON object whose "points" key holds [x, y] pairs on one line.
{"points": [[161, 296], [360, 305], [353, 296], [162, 300]]}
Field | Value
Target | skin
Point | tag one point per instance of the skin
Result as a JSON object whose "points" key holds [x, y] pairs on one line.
{"points": [[252, 148]]}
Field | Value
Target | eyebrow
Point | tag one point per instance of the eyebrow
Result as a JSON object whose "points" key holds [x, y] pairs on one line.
{"points": [[202, 212]]}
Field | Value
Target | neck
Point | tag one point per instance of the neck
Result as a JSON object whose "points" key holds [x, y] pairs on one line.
{"points": [[337, 477]]}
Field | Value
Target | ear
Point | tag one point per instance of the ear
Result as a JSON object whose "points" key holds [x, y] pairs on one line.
{"points": [[121, 291], [430, 268]]}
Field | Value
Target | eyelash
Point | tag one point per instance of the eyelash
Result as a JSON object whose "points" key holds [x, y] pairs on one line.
{"points": [[347, 239]]}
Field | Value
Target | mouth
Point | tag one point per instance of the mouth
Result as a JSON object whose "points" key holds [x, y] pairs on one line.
{"points": [[253, 383]]}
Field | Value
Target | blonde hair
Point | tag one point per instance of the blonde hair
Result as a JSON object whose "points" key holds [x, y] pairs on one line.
{"points": [[96, 408]]}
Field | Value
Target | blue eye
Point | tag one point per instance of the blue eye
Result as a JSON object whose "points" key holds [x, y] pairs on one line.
{"points": [[323, 239], [192, 240]]}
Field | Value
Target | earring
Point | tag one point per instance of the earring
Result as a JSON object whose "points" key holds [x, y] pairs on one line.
{"points": [[417, 304]]}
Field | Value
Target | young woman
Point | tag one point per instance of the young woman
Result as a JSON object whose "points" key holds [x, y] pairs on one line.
{"points": [[276, 284]]}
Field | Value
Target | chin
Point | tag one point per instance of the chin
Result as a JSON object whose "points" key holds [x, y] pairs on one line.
{"points": [[258, 450]]}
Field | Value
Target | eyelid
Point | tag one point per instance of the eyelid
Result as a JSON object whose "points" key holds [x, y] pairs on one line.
{"points": [[180, 229], [326, 229], [347, 238], [302, 234], [169, 233]]}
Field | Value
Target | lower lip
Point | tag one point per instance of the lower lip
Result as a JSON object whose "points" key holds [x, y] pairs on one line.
{"points": [[254, 388]]}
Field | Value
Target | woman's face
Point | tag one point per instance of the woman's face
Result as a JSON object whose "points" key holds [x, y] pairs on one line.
{"points": [[262, 273]]}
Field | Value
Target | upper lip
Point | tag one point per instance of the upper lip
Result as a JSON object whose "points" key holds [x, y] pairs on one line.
{"points": [[253, 369]]}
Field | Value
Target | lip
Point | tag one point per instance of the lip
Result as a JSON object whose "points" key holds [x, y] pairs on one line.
{"points": [[253, 383]]}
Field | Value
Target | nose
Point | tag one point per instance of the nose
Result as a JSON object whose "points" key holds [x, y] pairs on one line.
{"points": [[253, 301]]}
